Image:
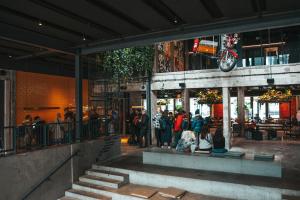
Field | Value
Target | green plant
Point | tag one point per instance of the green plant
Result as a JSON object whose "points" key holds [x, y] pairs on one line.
{"points": [[125, 64]]}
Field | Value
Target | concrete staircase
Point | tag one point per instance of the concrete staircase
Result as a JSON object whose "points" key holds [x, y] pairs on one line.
{"points": [[97, 185]]}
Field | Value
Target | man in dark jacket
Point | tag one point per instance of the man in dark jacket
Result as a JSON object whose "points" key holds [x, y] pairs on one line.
{"points": [[144, 126]]}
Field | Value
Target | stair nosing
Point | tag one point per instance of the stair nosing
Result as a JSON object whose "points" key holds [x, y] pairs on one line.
{"points": [[97, 178], [109, 172], [88, 194]]}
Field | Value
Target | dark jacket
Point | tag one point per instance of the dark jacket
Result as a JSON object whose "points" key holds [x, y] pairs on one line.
{"points": [[219, 142], [144, 124]]}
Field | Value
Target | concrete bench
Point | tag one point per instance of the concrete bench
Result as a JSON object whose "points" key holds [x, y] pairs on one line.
{"points": [[264, 157], [210, 163]]}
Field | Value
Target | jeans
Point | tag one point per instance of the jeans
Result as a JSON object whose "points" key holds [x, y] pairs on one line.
{"points": [[177, 138], [158, 137]]}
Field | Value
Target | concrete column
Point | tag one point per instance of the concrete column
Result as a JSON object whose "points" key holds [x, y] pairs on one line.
{"points": [[226, 117], [78, 94], [241, 109], [9, 108], [153, 111], [148, 97], [186, 100]]}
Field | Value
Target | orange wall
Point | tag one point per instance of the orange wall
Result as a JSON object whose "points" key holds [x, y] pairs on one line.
{"points": [[40, 90], [218, 110], [285, 109]]}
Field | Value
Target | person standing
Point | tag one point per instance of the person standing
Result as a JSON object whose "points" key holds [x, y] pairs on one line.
{"points": [[166, 129], [197, 124], [156, 126], [178, 127], [58, 129], [136, 123], [144, 123], [132, 139]]}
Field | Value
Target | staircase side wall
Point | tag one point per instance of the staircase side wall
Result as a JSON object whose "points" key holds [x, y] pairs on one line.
{"points": [[19, 173]]}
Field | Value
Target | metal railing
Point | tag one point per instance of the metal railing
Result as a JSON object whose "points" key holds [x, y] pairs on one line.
{"points": [[23, 138]]}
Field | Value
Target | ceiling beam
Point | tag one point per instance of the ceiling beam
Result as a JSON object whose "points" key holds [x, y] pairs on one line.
{"points": [[258, 6], [41, 65], [212, 8], [74, 16], [117, 13], [189, 32], [163, 10], [35, 20]]}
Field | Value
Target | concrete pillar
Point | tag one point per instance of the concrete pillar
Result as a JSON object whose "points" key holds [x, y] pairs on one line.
{"points": [[186, 100], [241, 109], [9, 108], [148, 97], [226, 117], [153, 111], [78, 94]]}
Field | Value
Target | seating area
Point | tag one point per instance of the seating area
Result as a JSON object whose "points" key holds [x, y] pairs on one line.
{"points": [[230, 162]]}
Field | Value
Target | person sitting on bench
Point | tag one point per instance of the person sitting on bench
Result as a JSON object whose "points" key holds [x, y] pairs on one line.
{"points": [[219, 141], [205, 143]]}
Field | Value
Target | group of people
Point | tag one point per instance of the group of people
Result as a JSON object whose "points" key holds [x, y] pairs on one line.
{"points": [[61, 130], [139, 126], [170, 128]]}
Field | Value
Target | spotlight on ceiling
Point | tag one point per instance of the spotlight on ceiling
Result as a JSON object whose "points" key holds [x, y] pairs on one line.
{"points": [[40, 23], [10, 56], [83, 37], [175, 20]]}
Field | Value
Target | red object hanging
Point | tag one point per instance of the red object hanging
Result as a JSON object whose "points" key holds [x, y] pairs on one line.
{"points": [[196, 44]]}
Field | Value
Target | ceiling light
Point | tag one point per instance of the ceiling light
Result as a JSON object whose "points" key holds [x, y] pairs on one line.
{"points": [[175, 21], [40, 23], [83, 37], [10, 56]]}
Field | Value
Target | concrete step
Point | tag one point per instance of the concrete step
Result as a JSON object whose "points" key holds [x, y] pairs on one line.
{"points": [[108, 174], [83, 195], [82, 186], [67, 198], [101, 181]]}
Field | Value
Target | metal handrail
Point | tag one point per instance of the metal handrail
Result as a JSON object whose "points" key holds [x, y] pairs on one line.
{"points": [[48, 176]]}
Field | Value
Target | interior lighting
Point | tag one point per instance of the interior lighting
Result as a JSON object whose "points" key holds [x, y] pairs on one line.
{"points": [[40, 23], [83, 37]]}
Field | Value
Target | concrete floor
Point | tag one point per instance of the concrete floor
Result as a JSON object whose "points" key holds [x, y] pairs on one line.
{"points": [[287, 152]]}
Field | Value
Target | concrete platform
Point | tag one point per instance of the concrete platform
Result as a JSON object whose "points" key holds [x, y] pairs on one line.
{"points": [[222, 184], [170, 158]]}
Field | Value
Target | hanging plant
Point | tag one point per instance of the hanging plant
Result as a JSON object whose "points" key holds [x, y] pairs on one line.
{"points": [[163, 102], [128, 63], [275, 96], [209, 97]]}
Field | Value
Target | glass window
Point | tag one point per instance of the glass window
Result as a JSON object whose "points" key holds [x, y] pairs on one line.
{"points": [[274, 110], [233, 107], [259, 109], [203, 108]]}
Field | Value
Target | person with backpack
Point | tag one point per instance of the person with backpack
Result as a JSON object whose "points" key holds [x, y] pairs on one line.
{"points": [[166, 129], [197, 124]]}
